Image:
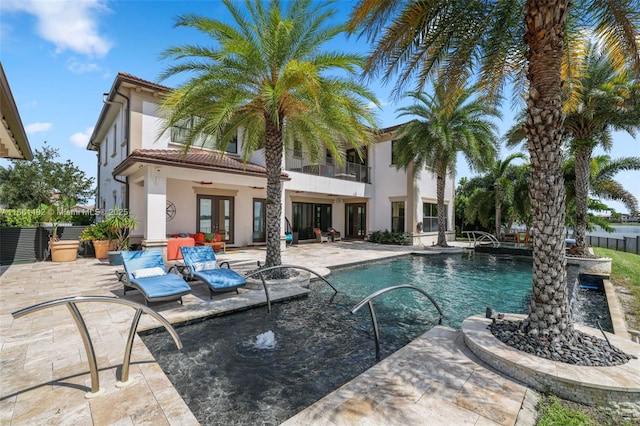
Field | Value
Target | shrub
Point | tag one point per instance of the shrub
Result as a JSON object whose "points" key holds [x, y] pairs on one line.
{"points": [[20, 217], [386, 237]]}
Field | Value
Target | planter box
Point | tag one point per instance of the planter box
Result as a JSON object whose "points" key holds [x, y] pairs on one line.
{"points": [[591, 266]]}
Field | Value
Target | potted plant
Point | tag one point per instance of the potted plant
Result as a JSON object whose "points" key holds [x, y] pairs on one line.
{"points": [[120, 223], [61, 250], [101, 238]]}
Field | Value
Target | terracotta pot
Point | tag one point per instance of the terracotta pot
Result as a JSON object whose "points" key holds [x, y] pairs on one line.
{"points": [[101, 247], [64, 251]]}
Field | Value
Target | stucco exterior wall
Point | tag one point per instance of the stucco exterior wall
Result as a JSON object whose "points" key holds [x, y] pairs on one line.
{"points": [[157, 183]]}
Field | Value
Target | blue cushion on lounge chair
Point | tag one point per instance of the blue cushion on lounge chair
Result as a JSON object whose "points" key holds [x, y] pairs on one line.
{"points": [[201, 264], [156, 288], [221, 278], [163, 287]]}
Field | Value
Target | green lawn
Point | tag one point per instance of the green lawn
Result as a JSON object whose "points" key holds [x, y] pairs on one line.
{"points": [[625, 269]]}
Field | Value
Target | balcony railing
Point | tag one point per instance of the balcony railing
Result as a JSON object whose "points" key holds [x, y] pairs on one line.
{"points": [[328, 168]]}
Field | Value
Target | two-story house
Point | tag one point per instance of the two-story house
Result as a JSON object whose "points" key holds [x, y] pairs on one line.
{"points": [[203, 190]]}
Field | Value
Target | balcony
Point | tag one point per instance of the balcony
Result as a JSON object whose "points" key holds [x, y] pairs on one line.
{"points": [[327, 168]]}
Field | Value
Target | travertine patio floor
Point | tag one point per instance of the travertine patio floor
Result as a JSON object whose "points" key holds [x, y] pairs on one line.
{"points": [[45, 376]]}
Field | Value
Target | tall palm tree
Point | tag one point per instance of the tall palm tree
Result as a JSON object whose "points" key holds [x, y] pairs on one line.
{"points": [[601, 100], [485, 39], [266, 76], [445, 123]]}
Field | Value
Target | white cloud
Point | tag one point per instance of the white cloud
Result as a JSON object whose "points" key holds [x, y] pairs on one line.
{"points": [[381, 103], [69, 24], [37, 128], [79, 67], [81, 139]]}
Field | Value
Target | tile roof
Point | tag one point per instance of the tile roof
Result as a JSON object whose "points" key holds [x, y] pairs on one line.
{"points": [[196, 158], [133, 79]]}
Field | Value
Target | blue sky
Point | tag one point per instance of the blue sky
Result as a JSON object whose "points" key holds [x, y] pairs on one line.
{"points": [[60, 56]]}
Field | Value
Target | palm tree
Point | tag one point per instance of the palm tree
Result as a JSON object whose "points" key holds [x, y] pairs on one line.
{"points": [[485, 39], [602, 185], [446, 123], [267, 78], [600, 100], [501, 187]]}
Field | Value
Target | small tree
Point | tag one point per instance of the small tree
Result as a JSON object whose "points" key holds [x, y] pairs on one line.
{"points": [[29, 184]]}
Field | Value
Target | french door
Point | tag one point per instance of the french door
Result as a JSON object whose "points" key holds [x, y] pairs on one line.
{"points": [[215, 215], [356, 220]]}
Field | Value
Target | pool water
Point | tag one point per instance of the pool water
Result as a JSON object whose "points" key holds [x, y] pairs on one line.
{"points": [[462, 286], [252, 367]]}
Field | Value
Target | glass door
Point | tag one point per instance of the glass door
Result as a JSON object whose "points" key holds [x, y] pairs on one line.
{"points": [[215, 215], [259, 220], [356, 220]]}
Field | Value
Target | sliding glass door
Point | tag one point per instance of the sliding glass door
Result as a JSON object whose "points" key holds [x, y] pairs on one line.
{"points": [[307, 216]]}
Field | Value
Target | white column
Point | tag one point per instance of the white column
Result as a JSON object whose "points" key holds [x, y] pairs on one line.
{"points": [[155, 191], [283, 202]]}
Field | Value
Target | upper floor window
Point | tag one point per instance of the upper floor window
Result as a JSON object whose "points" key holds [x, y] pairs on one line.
{"points": [[232, 147], [180, 133], [297, 149], [105, 151], [394, 152], [115, 139]]}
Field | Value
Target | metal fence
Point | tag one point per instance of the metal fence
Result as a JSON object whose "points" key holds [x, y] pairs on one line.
{"points": [[626, 244], [29, 244]]}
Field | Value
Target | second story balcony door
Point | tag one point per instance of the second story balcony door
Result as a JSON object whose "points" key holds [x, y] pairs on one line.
{"points": [[215, 215]]}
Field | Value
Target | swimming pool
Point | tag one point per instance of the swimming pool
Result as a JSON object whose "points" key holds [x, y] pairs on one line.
{"points": [[231, 371], [252, 367]]}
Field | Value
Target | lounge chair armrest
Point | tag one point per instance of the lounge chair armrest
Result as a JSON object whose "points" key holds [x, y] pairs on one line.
{"points": [[225, 264], [173, 269]]}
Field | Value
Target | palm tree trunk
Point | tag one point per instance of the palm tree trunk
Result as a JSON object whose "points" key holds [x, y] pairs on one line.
{"points": [[273, 156], [440, 184], [583, 173], [498, 218], [549, 309]]}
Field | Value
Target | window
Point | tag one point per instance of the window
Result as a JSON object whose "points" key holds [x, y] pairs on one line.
{"points": [[106, 151], [232, 147], [297, 149], [394, 153], [430, 217], [397, 216], [115, 139], [180, 134]]}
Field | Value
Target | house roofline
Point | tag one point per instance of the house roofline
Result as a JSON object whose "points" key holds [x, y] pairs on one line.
{"points": [[121, 79], [137, 158], [12, 118]]}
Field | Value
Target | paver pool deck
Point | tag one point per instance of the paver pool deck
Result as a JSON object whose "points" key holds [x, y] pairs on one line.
{"points": [[44, 372]]}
